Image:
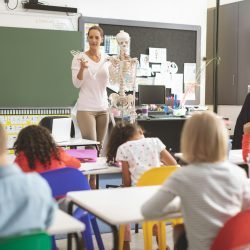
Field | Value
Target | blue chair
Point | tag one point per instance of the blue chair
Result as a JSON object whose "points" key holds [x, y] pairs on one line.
{"points": [[66, 180]]}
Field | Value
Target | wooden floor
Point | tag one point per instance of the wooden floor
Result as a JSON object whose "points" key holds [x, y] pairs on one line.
{"points": [[136, 242]]}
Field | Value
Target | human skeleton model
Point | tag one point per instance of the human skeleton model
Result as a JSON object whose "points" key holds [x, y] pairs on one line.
{"points": [[123, 72]]}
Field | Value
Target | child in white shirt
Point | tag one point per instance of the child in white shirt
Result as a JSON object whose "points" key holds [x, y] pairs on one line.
{"points": [[212, 190], [136, 154]]}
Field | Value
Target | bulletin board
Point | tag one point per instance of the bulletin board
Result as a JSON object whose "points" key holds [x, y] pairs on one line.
{"points": [[183, 42]]}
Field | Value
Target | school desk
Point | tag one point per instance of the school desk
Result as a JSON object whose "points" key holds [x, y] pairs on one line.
{"points": [[235, 156], [66, 224], [75, 142], [119, 205], [98, 168]]}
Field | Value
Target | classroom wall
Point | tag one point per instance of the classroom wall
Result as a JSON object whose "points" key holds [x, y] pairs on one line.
{"points": [[192, 12]]}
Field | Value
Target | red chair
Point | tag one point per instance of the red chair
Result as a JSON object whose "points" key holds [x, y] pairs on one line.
{"points": [[235, 234]]}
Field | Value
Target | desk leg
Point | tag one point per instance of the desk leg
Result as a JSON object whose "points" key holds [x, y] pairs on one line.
{"points": [[97, 181], [115, 237], [79, 242], [98, 150], [69, 237]]}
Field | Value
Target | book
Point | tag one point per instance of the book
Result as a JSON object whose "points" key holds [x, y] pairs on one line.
{"points": [[84, 155]]}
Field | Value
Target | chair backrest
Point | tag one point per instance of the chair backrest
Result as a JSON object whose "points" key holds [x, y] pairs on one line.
{"points": [[47, 122], [32, 241], [65, 180], [156, 176], [235, 234]]}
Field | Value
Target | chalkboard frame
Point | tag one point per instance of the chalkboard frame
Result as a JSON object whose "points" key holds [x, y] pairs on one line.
{"points": [[152, 25]]}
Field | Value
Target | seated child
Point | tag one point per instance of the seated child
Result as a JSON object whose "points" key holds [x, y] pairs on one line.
{"points": [[246, 141], [36, 150], [136, 153], [243, 118], [212, 190], [26, 201]]}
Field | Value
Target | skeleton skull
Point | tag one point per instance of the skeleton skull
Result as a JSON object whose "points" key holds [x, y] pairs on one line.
{"points": [[123, 40]]}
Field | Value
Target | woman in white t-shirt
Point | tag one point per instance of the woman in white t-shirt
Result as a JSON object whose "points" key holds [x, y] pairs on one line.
{"points": [[90, 74], [136, 154]]}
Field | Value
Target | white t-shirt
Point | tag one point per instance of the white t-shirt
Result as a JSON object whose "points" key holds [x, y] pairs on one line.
{"points": [[210, 195], [92, 94], [141, 155]]}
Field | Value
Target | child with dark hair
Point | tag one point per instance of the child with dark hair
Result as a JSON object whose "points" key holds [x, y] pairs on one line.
{"points": [[26, 202], [36, 150], [137, 154]]}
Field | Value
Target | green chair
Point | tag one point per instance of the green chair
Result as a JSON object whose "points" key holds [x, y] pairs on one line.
{"points": [[31, 241]]}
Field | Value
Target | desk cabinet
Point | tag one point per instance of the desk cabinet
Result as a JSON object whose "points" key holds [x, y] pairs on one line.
{"points": [[168, 130]]}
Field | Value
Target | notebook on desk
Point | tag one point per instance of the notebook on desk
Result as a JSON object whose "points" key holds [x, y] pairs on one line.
{"points": [[84, 155], [91, 166]]}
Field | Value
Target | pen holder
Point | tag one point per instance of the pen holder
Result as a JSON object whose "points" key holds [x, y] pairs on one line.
{"points": [[144, 109]]}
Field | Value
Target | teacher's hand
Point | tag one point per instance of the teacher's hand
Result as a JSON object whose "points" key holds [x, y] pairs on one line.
{"points": [[83, 64]]}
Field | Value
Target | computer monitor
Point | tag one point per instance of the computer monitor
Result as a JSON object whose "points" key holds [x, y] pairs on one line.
{"points": [[152, 94]]}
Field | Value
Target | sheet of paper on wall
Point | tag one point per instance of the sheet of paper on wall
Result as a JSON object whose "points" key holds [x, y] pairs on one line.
{"points": [[165, 67], [177, 85], [145, 81], [157, 55], [168, 79], [158, 79], [144, 61], [156, 67], [189, 91], [110, 44], [189, 72], [163, 79], [143, 72]]}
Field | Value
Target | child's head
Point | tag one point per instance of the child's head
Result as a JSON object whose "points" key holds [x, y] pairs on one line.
{"points": [[3, 140], [37, 144], [246, 128], [204, 139], [121, 133]]}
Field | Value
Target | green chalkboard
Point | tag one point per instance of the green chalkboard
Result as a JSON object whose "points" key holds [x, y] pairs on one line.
{"points": [[35, 67]]}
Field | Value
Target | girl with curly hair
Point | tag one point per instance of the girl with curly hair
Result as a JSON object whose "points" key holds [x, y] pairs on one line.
{"points": [[36, 150]]}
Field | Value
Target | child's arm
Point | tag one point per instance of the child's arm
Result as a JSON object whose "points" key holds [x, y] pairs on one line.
{"points": [[167, 158], [246, 128], [69, 160], [126, 178]]}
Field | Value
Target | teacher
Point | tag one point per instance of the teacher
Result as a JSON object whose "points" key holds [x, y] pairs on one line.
{"points": [[90, 74]]}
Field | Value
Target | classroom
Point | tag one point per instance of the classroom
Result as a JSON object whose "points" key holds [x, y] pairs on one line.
{"points": [[163, 67]]}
